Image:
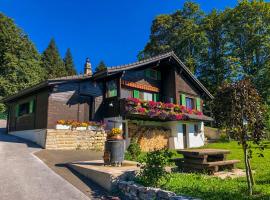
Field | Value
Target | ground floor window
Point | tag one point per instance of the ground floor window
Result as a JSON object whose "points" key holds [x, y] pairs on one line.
{"points": [[25, 108]]}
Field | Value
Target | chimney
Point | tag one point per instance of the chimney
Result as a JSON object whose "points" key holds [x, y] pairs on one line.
{"points": [[87, 67]]}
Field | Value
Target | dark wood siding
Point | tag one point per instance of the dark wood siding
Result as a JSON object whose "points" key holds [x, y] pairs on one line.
{"points": [[65, 103], [35, 120], [81, 101], [168, 84], [41, 110], [138, 76], [183, 85]]}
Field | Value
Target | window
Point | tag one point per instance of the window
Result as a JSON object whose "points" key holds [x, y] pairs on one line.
{"points": [[153, 74], [147, 96], [189, 103], [196, 129], [25, 108], [111, 89]]}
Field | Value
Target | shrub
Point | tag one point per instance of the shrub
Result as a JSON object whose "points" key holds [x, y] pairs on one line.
{"points": [[153, 170], [134, 149], [224, 137]]}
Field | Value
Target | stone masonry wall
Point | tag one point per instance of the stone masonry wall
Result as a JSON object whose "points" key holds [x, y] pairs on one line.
{"points": [[131, 191], [73, 139]]}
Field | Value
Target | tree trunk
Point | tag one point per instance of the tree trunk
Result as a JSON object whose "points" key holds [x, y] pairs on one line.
{"points": [[250, 173], [247, 171]]}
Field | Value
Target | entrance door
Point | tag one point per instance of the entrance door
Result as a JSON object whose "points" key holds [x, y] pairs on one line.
{"points": [[185, 135]]}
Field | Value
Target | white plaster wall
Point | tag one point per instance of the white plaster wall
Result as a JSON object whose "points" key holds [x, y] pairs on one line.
{"points": [[176, 140], [37, 136], [196, 139], [193, 139]]}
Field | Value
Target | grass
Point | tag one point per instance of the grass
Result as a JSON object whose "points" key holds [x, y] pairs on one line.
{"points": [[212, 188]]}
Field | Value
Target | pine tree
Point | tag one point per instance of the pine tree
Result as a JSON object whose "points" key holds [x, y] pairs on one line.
{"points": [[101, 66], [19, 59], [52, 62], [69, 64]]}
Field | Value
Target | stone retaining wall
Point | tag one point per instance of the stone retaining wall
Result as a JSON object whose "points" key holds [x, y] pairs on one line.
{"points": [[73, 139], [131, 191]]}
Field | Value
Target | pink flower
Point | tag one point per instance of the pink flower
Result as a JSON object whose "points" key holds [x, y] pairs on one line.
{"points": [[141, 110], [134, 100], [179, 116], [168, 105]]}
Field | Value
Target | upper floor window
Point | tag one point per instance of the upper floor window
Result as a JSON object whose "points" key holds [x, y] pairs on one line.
{"points": [[189, 103], [147, 96], [152, 74], [111, 88], [25, 108]]}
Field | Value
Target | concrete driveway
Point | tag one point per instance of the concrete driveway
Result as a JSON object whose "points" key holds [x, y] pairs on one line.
{"points": [[23, 176]]}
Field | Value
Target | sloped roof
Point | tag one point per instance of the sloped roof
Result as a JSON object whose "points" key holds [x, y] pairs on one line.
{"points": [[110, 71], [46, 83]]}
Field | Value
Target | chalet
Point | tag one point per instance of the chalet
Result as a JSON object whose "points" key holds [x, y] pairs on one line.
{"points": [[159, 93]]}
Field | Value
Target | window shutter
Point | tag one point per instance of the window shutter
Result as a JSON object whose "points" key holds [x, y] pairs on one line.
{"points": [[198, 104], [17, 110], [31, 106], [183, 99], [148, 73], [136, 94], [155, 97], [158, 76]]}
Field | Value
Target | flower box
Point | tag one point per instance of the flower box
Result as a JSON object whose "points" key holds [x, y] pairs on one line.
{"points": [[94, 128], [81, 128], [62, 127]]}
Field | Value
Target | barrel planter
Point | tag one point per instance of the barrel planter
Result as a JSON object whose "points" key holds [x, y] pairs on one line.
{"points": [[114, 151]]}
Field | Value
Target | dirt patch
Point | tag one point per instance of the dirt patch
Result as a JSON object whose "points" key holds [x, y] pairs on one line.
{"points": [[235, 173]]}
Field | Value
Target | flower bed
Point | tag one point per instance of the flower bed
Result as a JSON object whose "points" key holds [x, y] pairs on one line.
{"points": [[75, 125], [162, 111]]}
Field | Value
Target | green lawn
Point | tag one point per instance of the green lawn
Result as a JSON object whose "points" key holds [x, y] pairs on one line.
{"points": [[206, 187]]}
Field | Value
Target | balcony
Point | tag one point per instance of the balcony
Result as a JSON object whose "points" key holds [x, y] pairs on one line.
{"points": [[158, 111]]}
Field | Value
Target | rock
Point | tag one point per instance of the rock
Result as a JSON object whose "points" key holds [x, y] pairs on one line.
{"points": [[164, 195]]}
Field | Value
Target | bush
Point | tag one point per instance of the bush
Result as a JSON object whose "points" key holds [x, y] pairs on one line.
{"points": [[134, 149], [224, 137], [153, 170]]}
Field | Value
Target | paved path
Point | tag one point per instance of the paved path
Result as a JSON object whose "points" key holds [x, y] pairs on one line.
{"points": [[23, 176]]}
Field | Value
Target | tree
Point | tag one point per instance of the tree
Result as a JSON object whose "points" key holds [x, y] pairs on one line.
{"points": [[101, 66], [180, 32], [213, 70], [248, 31], [52, 62], [69, 64], [242, 113], [19, 60]]}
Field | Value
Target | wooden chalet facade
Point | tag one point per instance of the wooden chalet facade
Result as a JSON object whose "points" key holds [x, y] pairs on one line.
{"points": [[101, 97]]}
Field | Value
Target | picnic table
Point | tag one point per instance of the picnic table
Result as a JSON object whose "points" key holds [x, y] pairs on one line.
{"points": [[209, 160]]}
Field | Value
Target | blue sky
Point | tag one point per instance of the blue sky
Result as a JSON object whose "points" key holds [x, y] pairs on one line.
{"points": [[113, 31]]}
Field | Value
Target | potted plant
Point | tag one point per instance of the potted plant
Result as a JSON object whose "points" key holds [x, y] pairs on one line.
{"points": [[114, 148], [115, 134]]}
